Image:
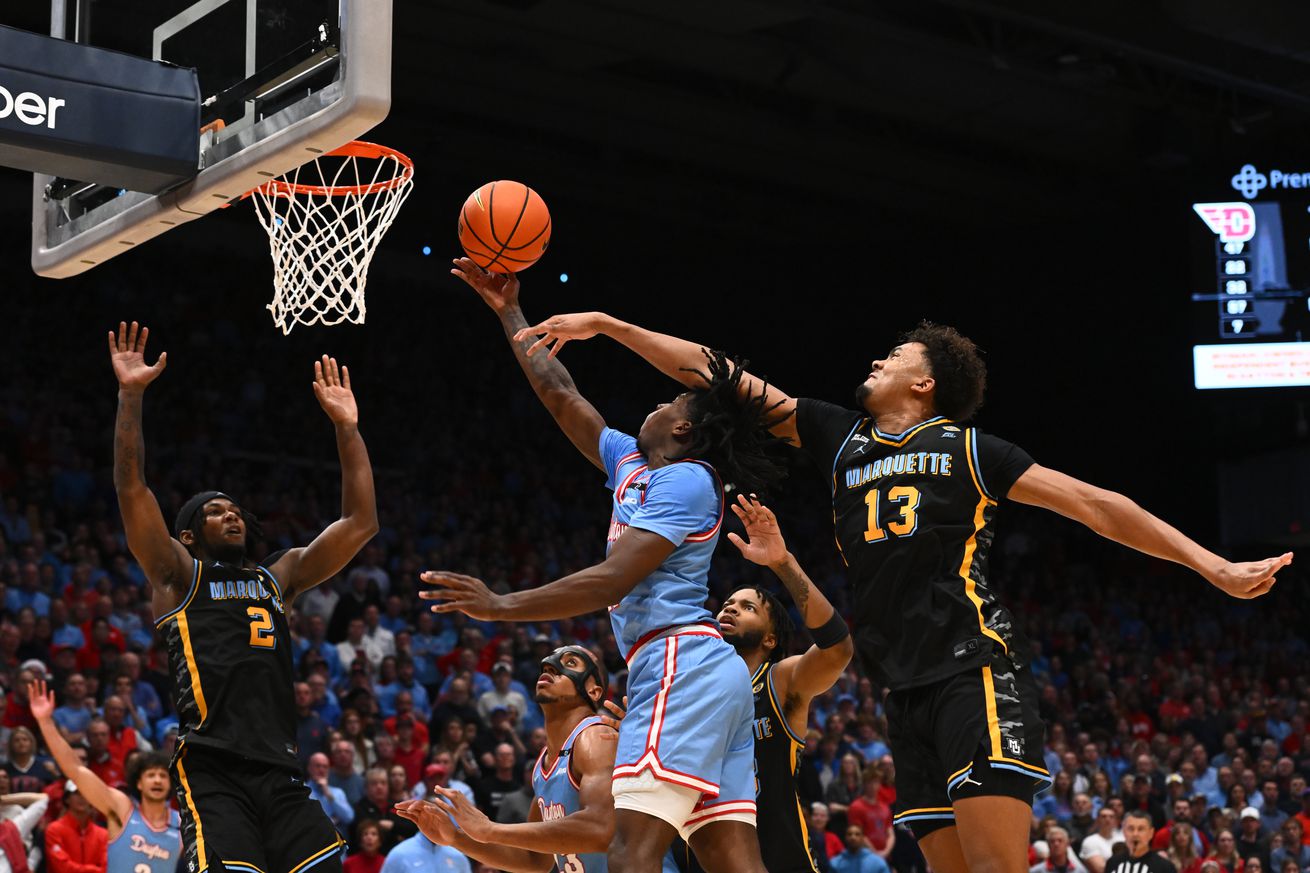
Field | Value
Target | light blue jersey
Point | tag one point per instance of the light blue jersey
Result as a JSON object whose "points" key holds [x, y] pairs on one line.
{"points": [[690, 706], [682, 502], [557, 796], [142, 849]]}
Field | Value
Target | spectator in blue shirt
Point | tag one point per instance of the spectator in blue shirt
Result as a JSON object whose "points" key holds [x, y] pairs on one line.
{"points": [[418, 854], [63, 633], [316, 638], [333, 799], [405, 681], [858, 857], [77, 711], [28, 592]]}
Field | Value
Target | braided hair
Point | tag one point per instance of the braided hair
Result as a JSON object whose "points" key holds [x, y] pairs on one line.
{"points": [[731, 432]]}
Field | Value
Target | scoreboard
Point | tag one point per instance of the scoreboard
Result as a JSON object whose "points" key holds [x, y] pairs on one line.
{"points": [[1251, 285]]}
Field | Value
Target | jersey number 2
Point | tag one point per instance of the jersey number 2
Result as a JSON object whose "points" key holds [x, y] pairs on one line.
{"points": [[903, 497], [261, 628]]}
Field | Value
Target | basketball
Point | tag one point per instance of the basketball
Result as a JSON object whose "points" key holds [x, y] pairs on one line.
{"points": [[504, 226]]}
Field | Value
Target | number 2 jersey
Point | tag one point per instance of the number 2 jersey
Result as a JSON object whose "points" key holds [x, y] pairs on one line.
{"points": [[913, 515], [229, 649]]}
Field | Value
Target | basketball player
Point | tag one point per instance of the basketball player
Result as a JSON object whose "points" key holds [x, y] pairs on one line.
{"points": [[757, 625], [571, 820], [144, 837], [244, 806], [914, 497], [683, 764]]}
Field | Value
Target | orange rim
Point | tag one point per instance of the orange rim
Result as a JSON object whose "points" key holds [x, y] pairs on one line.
{"points": [[356, 149]]}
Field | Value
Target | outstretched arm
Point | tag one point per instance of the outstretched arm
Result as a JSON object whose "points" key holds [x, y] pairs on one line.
{"points": [[635, 556], [113, 804], [797, 679], [678, 359], [164, 560], [302, 569], [552, 383], [435, 822], [1115, 517]]}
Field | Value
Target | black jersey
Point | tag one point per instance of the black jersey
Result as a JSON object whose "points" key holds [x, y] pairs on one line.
{"points": [[780, 821], [1151, 862], [229, 648], [913, 517]]}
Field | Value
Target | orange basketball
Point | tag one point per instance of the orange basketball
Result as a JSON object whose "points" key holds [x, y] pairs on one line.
{"points": [[504, 226]]}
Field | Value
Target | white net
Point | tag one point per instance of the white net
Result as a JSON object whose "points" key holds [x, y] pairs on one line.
{"points": [[324, 222]]}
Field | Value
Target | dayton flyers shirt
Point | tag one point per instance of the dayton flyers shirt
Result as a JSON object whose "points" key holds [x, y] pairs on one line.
{"points": [[682, 502]]}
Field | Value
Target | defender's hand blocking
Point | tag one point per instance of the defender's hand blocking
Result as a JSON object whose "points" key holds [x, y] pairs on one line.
{"points": [[433, 822], [459, 593], [499, 290], [766, 546], [559, 329], [332, 388], [127, 354], [1251, 579]]}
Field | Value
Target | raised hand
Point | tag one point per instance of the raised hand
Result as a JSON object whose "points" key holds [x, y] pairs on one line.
{"points": [[433, 821], [459, 593], [499, 290], [127, 354], [470, 819], [40, 700], [766, 546], [332, 388], [1251, 579], [560, 329]]}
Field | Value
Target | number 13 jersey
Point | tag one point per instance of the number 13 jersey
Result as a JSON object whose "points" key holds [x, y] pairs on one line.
{"points": [[913, 515], [229, 650]]}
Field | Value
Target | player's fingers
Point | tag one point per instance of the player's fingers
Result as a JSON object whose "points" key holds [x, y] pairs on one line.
{"points": [[131, 337], [336, 372], [162, 362], [737, 541], [318, 372], [121, 339], [554, 352], [145, 335], [345, 377], [537, 346]]}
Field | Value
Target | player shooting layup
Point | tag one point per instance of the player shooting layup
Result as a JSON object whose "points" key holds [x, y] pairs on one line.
{"points": [[244, 807], [914, 495], [684, 758]]}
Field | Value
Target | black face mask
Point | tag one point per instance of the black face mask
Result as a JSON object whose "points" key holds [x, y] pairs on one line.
{"points": [[579, 677]]}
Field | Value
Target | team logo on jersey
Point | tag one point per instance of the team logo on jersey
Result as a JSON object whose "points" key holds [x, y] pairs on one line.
{"points": [[948, 435]]}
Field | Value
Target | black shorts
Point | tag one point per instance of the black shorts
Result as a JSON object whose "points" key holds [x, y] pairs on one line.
{"points": [[974, 734], [247, 816]]}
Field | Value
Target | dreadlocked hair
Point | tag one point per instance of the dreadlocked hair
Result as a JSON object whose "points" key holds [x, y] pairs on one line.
{"points": [[731, 432], [780, 622]]}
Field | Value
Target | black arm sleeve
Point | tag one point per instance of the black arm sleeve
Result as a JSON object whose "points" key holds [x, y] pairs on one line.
{"points": [[1001, 464], [823, 427]]}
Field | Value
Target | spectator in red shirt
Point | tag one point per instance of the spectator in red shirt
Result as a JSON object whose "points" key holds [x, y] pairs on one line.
{"points": [[873, 815], [369, 858], [100, 758], [1304, 817], [74, 843], [18, 713], [410, 753], [122, 739]]}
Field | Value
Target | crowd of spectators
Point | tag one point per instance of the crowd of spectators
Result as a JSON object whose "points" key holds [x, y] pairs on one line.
{"points": [[1159, 695]]}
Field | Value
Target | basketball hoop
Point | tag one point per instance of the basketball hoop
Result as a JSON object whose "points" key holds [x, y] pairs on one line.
{"points": [[324, 222]]}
